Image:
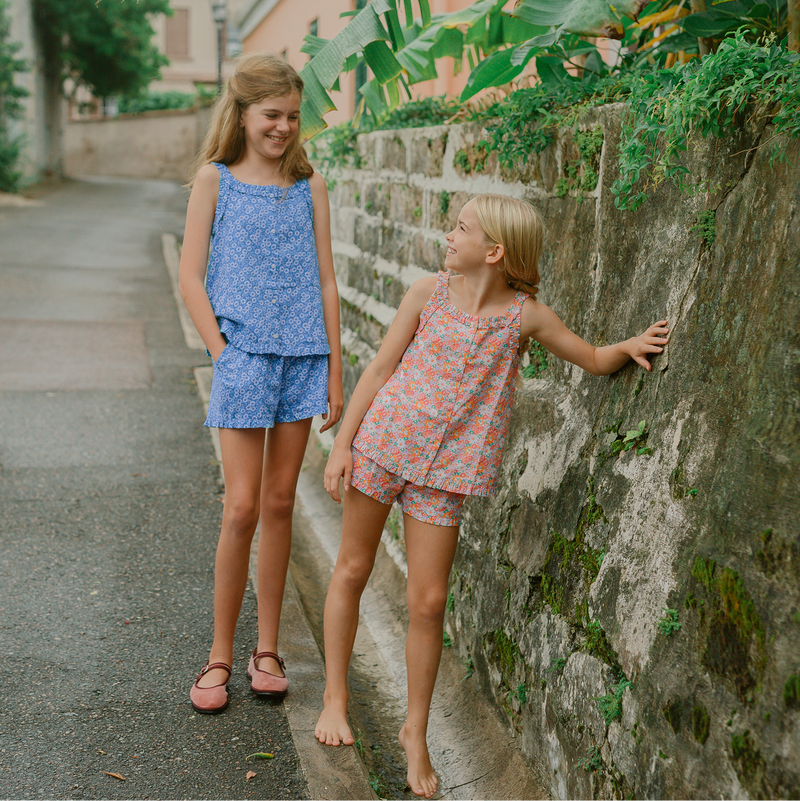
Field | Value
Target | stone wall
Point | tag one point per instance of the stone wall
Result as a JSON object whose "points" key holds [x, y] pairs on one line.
{"points": [[155, 144], [564, 582]]}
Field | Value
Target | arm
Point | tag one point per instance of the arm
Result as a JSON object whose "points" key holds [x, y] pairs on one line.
{"points": [[376, 374], [194, 258], [330, 298], [544, 325]]}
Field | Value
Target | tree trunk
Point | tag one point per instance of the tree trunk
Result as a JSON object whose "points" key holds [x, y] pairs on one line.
{"points": [[705, 46], [51, 107], [794, 25]]}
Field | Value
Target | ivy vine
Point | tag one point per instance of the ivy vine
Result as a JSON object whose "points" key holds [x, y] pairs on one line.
{"points": [[664, 107]]}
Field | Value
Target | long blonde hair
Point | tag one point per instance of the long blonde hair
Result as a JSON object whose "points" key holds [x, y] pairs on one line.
{"points": [[519, 228], [257, 76]]}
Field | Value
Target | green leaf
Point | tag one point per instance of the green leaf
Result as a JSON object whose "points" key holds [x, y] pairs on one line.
{"points": [[381, 60], [708, 25], [585, 17], [425, 12], [313, 44], [374, 97], [364, 28], [409, 13], [316, 103], [449, 42], [551, 71], [496, 70], [471, 15]]}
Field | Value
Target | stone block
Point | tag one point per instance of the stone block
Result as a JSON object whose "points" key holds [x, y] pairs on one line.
{"points": [[394, 155], [427, 147], [444, 208], [368, 329], [395, 243], [427, 250], [405, 204], [367, 233], [377, 197], [367, 144]]}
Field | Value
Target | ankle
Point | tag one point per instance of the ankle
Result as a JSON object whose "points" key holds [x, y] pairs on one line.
{"points": [[336, 700], [413, 732]]}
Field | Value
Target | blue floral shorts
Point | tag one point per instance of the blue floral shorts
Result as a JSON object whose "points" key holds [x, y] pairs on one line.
{"points": [[257, 390]]}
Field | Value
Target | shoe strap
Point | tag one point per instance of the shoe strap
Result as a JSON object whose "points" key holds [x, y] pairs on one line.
{"points": [[213, 665], [278, 659]]}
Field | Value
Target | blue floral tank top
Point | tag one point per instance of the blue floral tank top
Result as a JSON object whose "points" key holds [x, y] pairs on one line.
{"points": [[263, 273]]}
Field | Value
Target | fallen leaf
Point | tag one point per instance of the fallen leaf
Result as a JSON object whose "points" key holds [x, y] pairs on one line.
{"points": [[115, 775], [250, 774], [260, 755]]}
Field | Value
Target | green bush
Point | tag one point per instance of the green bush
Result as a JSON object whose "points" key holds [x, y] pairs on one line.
{"points": [[161, 101]]}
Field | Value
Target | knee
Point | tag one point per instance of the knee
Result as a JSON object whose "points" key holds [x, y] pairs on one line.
{"points": [[278, 505], [241, 515], [427, 605], [353, 574]]}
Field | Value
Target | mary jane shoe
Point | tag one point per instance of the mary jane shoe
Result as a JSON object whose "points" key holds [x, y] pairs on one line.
{"points": [[211, 700], [264, 683]]}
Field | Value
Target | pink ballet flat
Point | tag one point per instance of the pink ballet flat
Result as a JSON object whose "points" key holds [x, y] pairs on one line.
{"points": [[263, 682], [211, 700]]}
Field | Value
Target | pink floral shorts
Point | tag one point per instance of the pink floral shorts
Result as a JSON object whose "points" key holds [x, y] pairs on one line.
{"points": [[429, 505]]}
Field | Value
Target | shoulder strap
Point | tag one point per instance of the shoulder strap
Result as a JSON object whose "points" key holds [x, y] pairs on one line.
{"points": [[515, 312], [222, 196], [438, 296], [305, 188]]}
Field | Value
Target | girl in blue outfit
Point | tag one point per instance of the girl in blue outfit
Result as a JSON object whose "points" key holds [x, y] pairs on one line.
{"points": [[257, 278]]}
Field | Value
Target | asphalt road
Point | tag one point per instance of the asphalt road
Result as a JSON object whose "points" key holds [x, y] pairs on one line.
{"points": [[109, 512]]}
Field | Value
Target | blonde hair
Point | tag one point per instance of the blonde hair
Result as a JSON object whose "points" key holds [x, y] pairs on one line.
{"points": [[519, 228], [257, 76]]}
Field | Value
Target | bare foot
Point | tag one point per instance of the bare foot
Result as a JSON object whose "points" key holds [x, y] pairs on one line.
{"points": [[332, 728], [421, 778]]}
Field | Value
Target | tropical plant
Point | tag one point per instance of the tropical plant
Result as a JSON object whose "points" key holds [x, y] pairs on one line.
{"points": [[498, 46]]}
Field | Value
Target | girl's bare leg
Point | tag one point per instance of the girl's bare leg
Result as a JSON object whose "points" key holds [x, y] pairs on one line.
{"points": [[430, 551], [362, 524], [283, 458], [242, 456]]}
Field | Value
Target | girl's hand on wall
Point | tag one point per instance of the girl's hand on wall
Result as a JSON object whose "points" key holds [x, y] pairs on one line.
{"points": [[340, 465], [651, 341]]}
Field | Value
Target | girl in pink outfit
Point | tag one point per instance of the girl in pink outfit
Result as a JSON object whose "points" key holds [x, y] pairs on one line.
{"points": [[425, 428]]}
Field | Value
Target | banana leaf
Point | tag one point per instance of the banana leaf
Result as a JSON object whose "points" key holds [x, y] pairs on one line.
{"points": [[496, 70], [584, 17]]}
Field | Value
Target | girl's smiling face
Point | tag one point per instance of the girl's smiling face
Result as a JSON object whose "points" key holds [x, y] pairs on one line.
{"points": [[271, 124], [467, 243]]}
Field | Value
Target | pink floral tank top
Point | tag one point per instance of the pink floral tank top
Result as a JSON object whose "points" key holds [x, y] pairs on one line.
{"points": [[441, 420]]}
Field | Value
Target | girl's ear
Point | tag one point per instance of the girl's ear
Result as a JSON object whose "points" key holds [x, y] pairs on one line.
{"points": [[496, 254]]}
